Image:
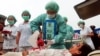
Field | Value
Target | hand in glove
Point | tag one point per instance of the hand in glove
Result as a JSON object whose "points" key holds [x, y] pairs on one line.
{"points": [[33, 39]]}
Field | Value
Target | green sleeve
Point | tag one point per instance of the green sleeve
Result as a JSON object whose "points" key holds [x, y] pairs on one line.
{"points": [[37, 22], [59, 38], [70, 33]]}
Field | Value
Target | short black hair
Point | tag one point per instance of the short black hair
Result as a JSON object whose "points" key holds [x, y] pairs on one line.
{"points": [[2, 19], [85, 50], [93, 27]]}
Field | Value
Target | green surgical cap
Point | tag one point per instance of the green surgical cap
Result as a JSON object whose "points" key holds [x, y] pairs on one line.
{"points": [[81, 22], [12, 17], [65, 18], [26, 12], [52, 6]]}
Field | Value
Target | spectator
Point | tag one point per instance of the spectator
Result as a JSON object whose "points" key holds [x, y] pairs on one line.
{"points": [[2, 24], [10, 32], [69, 35], [86, 33], [24, 32]]}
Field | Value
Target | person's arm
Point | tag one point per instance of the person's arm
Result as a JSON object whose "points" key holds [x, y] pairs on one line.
{"points": [[61, 34], [5, 33], [35, 27], [36, 23], [99, 35], [18, 37], [90, 32], [19, 29], [70, 33]]}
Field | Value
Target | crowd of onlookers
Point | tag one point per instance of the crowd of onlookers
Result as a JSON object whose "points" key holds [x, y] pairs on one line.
{"points": [[56, 35]]}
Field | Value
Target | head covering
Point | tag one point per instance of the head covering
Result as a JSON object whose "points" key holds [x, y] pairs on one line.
{"points": [[12, 17], [26, 12], [92, 27], [81, 22], [65, 18], [52, 6]]}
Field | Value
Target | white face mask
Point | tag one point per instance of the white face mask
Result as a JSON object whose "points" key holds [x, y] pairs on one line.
{"points": [[51, 16], [81, 26]]}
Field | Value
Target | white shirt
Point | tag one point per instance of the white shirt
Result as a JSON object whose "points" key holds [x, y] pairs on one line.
{"points": [[50, 52], [26, 32], [10, 42], [88, 40]]}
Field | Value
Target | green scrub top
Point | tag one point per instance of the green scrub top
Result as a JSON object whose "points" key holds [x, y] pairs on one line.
{"points": [[61, 28], [69, 36]]}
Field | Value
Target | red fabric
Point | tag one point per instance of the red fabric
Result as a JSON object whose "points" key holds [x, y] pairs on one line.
{"points": [[5, 32], [40, 42]]}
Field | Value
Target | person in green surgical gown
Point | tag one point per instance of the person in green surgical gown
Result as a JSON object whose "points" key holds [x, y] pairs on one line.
{"points": [[53, 26], [69, 35]]}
